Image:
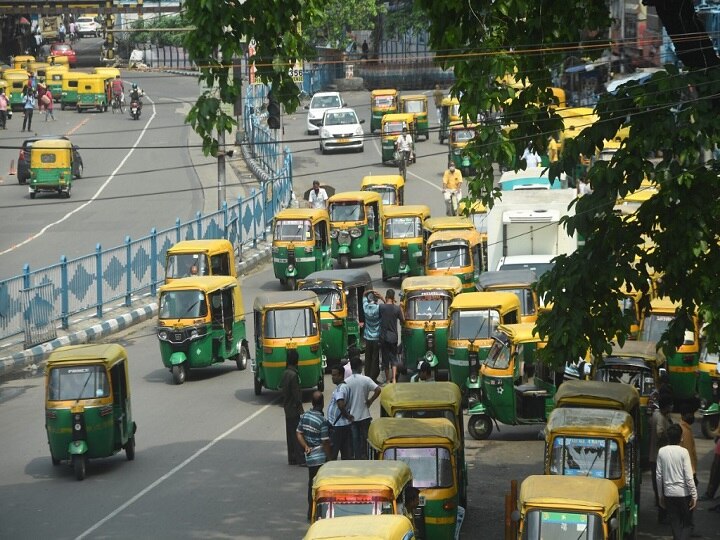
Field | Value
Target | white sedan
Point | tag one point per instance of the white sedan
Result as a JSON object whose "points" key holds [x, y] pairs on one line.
{"points": [[87, 26], [341, 129]]}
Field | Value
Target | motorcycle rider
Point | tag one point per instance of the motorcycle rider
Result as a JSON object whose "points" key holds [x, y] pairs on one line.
{"points": [[135, 95]]}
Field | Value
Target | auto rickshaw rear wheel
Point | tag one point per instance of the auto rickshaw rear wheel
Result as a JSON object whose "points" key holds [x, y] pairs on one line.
{"points": [[79, 461], [130, 449], [292, 283], [709, 424], [32, 194], [480, 427], [241, 358], [179, 373], [258, 385]]}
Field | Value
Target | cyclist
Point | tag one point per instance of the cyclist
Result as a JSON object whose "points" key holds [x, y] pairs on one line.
{"points": [[452, 183], [404, 145], [118, 89]]}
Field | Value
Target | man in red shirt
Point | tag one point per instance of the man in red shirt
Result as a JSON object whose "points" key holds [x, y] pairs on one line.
{"points": [[117, 88]]}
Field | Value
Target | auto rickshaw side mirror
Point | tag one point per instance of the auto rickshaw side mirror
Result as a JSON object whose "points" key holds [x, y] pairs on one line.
{"points": [[515, 516], [662, 372], [306, 107], [362, 121], [613, 524]]}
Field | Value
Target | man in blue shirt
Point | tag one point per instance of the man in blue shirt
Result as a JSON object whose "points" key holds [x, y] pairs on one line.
{"points": [[339, 416], [314, 438], [371, 333]]}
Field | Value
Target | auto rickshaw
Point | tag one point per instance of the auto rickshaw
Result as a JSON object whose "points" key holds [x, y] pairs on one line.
{"points": [[477, 214], [519, 282], [567, 508], [391, 127], [709, 391], [106, 72], [446, 223], [355, 218], [391, 188], [455, 253], [87, 404], [360, 488], [22, 61], [51, 167], [425, 302], [474, 318], [301, 244], [214, 257], [431, 447], [382, 102], [283, 321], [16, 80], [402, 240], [449, 112], [597, 443], [91, 94], [459, 135], [383, 527], [510, 391], [201, 322], [417, 104], [682, 364], [341, 313], [71, 83], [54, 78]]}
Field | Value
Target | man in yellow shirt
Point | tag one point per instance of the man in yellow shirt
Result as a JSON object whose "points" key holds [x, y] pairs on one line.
{"points": [[452, 183]]}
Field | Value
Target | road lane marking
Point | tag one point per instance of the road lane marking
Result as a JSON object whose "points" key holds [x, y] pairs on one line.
{"points": [[175, 469], [97, 193], [408, 171]]}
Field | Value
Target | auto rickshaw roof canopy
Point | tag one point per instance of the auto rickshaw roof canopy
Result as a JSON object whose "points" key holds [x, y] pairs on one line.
{"points": [[413, 97], [520, 332], [643, 350], [609, 395], [452, 284], [504, 301], [575, 119], [664, 305], [384, 92], [470, 236], [442, 223], [432, 395], [201, 246], [570, 493], [15, 74], [77, 75], [380, 527], [495, 278], [285, 300], [407, 210], [350, 278], [364, 474], [311, 214], [389, 432], [398, 117], [457, 125], [382, 180], [365, 197], [589, 422], [107, 72], [106, 353], [206, 284], [57, 68], [51, 144]]}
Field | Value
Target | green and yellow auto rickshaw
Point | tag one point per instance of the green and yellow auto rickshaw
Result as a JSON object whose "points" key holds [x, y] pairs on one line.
{"points": [[597, 443], [403, 241], [201, 322], [189, 258], [455, 253], [417, 104], [425, 302], [382, 102], [682, 364], [54, 80], [383, 527], [87, 404], [391, 128], [519, 282], [449, 112], [355, 221], [22, 61], [459, 135], [567, 508], [510, 390], [431, 447], [16, 80], [285, 321], [301, 244], [341, 313], [51, 167], [91, 94], [70, 85], [474, 318], [391, 188]]}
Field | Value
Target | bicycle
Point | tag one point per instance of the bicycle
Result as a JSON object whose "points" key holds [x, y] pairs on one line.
{"points": [[402, 159], [117, 104]]}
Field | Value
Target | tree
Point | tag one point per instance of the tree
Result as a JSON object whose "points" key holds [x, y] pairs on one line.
{"points": [[338, 17], [161, 39]]}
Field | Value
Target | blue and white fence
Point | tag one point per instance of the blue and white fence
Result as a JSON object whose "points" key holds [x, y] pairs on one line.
{"points": [[122, 274]]}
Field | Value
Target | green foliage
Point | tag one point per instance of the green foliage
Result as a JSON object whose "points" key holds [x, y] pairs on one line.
{"points": [[171, 38], [405, 18], [338, 16]]}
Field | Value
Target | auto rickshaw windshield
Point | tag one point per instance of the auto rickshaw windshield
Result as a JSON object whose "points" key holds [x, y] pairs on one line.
{"points": [[563, 525], [427, 307], [188, 304], [383, 102], [462, 135], [393, 128], [414, 106], [292, 230], [77, 382], [640, 378], [448, 256], [347, 211], [431, 467], [359, 506], [290, 323], [498, 356], [386, 192], [655, 325], [186, 264], [329, 297], [403, 227], [474, 324], [586, 456]]}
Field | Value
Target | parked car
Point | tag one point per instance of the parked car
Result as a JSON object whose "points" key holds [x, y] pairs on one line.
{"points": [[63, 49], [23, 165], [319, 103], [87, 26], [341, 129]]}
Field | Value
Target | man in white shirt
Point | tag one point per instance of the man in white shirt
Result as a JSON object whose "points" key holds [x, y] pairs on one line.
{"points": [[531, 157], [676, 487], [404, 143], [318, 196], [363, 392]]}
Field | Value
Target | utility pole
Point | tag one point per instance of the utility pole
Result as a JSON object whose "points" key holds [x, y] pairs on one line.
{"points": [[221, 168]]}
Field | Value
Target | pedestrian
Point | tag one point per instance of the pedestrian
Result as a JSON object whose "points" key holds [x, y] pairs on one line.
{"points": [[438, 96], [340, 417], [314, 438], [49, 104], [28, 108], [363, 392], [553, 149], [72, 31], [714, 480], [318, 196], [4, 103], [292, 405], [390, 316], [365, 50], [657, 429], [531, 157], [674, 478], [371, 333], [61, 33]]}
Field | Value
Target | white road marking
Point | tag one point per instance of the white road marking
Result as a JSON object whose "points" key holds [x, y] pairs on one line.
{"points": [[409, 172], [175, 469], [97, 193]]}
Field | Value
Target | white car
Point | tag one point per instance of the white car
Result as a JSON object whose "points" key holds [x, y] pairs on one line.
{"points": [[87, 26], [341, 129], [319, 103]]}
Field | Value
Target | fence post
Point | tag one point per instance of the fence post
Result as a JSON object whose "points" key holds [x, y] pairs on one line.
{"points": [[128, 274], [198, 218], [252, 202], [225, 220], [99, 281], [153, 261], [177, 230], [240, 225], [64, 294]]}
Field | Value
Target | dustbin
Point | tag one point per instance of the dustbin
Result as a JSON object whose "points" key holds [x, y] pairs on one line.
{"points": [[349, 71]]}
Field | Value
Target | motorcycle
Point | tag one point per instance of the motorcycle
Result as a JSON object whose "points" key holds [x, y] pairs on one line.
{"points": [[135, 109]]}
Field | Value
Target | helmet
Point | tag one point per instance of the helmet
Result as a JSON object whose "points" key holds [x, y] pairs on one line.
{"points": [[134, 86]]}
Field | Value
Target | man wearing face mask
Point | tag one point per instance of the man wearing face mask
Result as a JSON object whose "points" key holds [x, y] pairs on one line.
{"points": [[452, 184], [318, 196]]}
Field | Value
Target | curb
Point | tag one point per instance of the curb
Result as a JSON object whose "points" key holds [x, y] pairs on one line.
{"points": [[263, 252]]}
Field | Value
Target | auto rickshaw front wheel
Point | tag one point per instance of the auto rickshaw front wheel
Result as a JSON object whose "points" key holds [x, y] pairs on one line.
{"points": [[480, 427], [79, 463], [241, 358], [179, 372], [130, 449]]}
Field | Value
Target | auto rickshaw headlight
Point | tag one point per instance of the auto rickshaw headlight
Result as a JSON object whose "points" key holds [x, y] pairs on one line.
{"points": [[163, 335], [333, 233], [291, 267], [355, 232], [194, 333], [473, 399]]}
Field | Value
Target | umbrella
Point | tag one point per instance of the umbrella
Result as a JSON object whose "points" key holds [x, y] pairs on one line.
{"points": [[328, 189], [23, 20]]}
